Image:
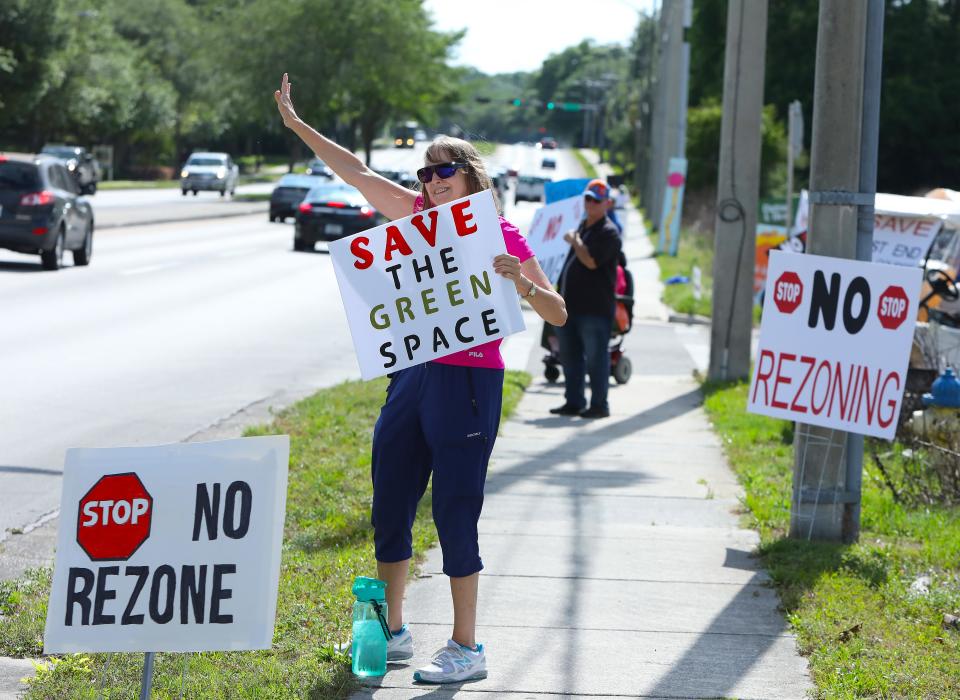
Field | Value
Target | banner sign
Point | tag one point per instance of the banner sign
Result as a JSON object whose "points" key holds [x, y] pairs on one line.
{"points": [[564, 189], [835, 340], [672, 205], [545, 237], [902, 235], [899, 240], [169, 548], [423, 287], [769, 237]]}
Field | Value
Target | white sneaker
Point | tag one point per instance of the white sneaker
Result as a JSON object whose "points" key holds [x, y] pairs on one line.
{"points": [[399, 647], [452, 664]]}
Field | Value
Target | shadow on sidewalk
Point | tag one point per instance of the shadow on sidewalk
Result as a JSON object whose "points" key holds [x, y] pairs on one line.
{"points": [[579, 492], [718, 659]]}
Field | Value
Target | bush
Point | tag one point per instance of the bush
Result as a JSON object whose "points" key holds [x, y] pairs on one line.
{"points": [[703, 148]]}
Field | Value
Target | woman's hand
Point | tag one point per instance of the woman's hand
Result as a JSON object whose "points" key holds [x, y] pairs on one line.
{"points": [[285, 104], [509, 266]]}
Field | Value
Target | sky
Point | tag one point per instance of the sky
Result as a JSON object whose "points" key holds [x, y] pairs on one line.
{"points": [[517, 35]]}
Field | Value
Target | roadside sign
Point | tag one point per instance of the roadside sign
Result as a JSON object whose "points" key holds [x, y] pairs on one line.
{"points": [[169, 548], [834, 344], [423, 287], [545, 236], [672, 209]]}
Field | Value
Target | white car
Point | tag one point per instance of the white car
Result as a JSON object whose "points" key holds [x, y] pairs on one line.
{"points": [[530, 188], [209, 171]]}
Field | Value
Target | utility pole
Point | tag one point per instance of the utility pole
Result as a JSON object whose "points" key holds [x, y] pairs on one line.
{"points": [[644, 125], [670, 110], [794, 149], [843, 175], [738, 186], [658, 135]]}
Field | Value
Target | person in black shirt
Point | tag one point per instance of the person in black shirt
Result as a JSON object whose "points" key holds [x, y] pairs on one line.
{"points": [[587, 285]]}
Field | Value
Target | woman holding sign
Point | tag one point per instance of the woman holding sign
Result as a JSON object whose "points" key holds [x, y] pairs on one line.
{"points": [[439, 418]]}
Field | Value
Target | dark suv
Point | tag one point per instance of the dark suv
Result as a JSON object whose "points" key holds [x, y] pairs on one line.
{"points": [[42, 211], [80, 163]]}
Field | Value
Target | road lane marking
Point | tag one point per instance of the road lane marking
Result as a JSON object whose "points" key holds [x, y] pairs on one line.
{"points": [[149, 268]]}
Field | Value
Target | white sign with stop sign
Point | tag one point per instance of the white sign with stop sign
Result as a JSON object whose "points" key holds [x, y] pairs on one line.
{"points": [[169, 548], [835, 340]]}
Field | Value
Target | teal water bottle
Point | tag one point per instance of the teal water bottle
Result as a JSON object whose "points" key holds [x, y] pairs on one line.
{"points": [[370, 630]]}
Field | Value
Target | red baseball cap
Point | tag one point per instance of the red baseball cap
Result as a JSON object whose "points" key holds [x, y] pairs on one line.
{"points": [[597, 189]]}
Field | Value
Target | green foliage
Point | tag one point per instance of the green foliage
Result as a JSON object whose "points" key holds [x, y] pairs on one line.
{"points": [[865, 632], [703, 148], [920, 92], [328, 540]]}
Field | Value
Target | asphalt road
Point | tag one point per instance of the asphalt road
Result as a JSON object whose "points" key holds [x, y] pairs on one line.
{"points": [[172, 328]]}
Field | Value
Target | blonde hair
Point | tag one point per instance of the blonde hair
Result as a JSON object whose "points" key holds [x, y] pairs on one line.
{"points": [[445, 148]]}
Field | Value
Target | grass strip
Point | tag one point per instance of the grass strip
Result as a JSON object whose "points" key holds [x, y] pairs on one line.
{"points": [[860, 613], [328, 541], [695, 249], [588, 169], [175, 184], [485, 148]]}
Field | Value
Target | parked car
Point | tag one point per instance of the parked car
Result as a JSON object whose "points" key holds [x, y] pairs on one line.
{"points": [[289, 192], [42, 211], [80, 163], [209, 171], [548, 163], [318, 167], [329, 212], [530, 187], [401, 177]]}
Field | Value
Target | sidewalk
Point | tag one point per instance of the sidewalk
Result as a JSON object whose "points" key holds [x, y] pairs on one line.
{"points": [[615, 566]]}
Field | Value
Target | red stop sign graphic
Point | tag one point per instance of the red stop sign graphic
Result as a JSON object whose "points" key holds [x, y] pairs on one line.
{"points": [[788, 292], [892, 308], [114, 517]]}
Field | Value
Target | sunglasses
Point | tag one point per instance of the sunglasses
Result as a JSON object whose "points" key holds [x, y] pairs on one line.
{"points": [[442, 170]]}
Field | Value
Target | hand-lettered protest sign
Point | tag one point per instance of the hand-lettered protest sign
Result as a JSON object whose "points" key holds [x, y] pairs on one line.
{"points": [[169, 548], [423, 287], [834, 342], [545, 237]]}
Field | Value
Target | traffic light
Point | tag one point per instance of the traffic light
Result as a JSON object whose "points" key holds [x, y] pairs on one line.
{"points": [[571, 106], [517, 102], [550, 105]]}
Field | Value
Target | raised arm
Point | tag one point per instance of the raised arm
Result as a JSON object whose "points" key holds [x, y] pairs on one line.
{"points": [[388, 197]]}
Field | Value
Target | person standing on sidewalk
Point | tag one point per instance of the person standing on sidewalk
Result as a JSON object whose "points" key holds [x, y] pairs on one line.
{"points": [[439, 418], [587, 284]]}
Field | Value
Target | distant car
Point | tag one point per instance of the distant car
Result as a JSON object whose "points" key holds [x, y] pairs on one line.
{"points": [[80, 163], [318, 167], [401, 177], [330, 212], [530, 187], [209, 171], [548, 163], [289, 192], [42, 211], [548, 142], [420, 135]]}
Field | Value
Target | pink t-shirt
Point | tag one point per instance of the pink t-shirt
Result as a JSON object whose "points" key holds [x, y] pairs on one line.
{"points": [[488, 354]]}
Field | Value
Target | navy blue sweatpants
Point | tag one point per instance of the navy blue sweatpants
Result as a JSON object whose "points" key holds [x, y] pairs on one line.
{"points": [[439, 419]]}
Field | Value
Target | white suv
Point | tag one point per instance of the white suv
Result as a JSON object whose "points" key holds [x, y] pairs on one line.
{"points": [[209, 171]]}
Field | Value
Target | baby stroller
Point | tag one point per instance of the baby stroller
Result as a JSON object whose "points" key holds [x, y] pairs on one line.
{"points": [[620, 366]]}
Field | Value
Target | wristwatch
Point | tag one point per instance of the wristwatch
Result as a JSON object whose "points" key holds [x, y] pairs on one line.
{"points": [[532, 291]]}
